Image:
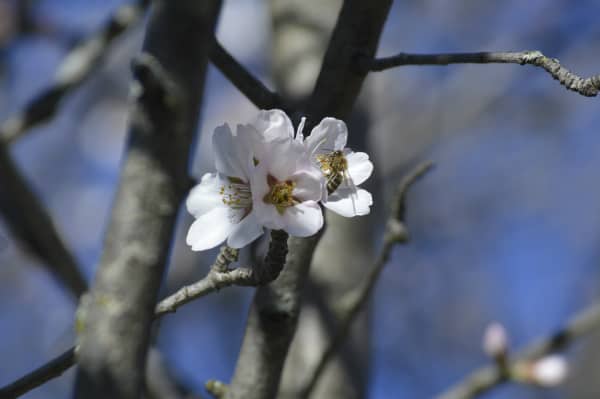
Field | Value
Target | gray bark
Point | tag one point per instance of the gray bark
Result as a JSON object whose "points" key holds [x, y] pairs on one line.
{"points": [[116, 315]]}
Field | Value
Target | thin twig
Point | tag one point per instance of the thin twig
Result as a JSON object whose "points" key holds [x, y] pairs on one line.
{"points": [[243, 80], [588, 87], [48, 371], [487, 378], [395, 234], [74, 69]]}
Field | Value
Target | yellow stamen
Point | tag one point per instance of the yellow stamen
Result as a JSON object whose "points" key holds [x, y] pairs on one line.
{"points": [[280, 194]]}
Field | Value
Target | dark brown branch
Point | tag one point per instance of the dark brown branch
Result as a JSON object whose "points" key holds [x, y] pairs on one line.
{"points": [[79, 64], [274, 313], [243, 80], [31, 224], [585, 86], [117, 313], [487, 378], [48, 371], [395, 234]]}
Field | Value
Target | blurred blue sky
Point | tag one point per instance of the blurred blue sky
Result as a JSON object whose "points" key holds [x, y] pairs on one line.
{"points": [[506, 227]]}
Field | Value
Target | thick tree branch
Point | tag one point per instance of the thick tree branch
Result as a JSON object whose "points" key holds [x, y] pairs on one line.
{"points": [[117, 314], [588, 87], [487, 378], [395, 234], [274, 312], [80, 63], [48, 371], [243, 80], [31, 224]]}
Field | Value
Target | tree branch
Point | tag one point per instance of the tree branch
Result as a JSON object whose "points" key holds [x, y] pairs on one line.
{"points": [[395, 234], [39, 376], [588, 87], [218, 277], [221, 276], [30, 223], [117, 313], [243, 80], [80, 63], [274, 312], [487, 378]]}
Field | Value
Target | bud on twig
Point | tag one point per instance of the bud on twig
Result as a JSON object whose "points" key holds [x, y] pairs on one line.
{"points": [[495, 340]]}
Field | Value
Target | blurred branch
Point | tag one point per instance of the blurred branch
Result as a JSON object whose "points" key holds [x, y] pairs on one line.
{"points": [[39, 376], [74, 69], [168, 85], [588, 87], [243, 80], [486, 378], [395, 234], [29, 221], [274, 312]]}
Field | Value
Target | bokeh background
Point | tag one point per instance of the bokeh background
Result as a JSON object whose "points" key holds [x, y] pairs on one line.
{"points": [[505, 228]]}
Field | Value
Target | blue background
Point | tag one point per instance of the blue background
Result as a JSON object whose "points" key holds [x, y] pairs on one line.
{"points": [[506, 228]]}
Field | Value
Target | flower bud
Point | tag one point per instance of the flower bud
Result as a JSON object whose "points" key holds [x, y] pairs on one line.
{"points": [[549, 371], [495, 340]]}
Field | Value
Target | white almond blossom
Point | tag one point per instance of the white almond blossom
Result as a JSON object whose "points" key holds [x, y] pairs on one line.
{"points": [[222, 202], [264, 179], [286, 189], [342, 168]]}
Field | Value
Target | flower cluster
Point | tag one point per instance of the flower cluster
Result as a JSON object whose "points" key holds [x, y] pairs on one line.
{"points": [[269, 176]]}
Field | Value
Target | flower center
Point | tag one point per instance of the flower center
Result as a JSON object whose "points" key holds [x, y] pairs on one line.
{"points": [[334, 166], [280, 194], [237, 195]]}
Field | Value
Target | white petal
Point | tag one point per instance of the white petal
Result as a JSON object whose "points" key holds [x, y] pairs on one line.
{"points": [[210, 229], [204, 196], [274, 124], [246, 231], [309, 186], [230, 157], [359, 167], [347, 203], [285, 157], [329, 135], [303, 220]]}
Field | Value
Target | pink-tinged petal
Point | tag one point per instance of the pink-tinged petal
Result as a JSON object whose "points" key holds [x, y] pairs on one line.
{"points": [[210, 229], [204, 196], [359, 167], [329, 135], [349, 203], [309, 185], [303, 220], [246, 231], [230, 157], [274, 124]]}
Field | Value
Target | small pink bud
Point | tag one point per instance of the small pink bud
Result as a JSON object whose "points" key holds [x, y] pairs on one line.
{"points": [[495, 340], [549, 371]]}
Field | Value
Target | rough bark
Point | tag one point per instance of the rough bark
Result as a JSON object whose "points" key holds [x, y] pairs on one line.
{"points": [[116, 316]]}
